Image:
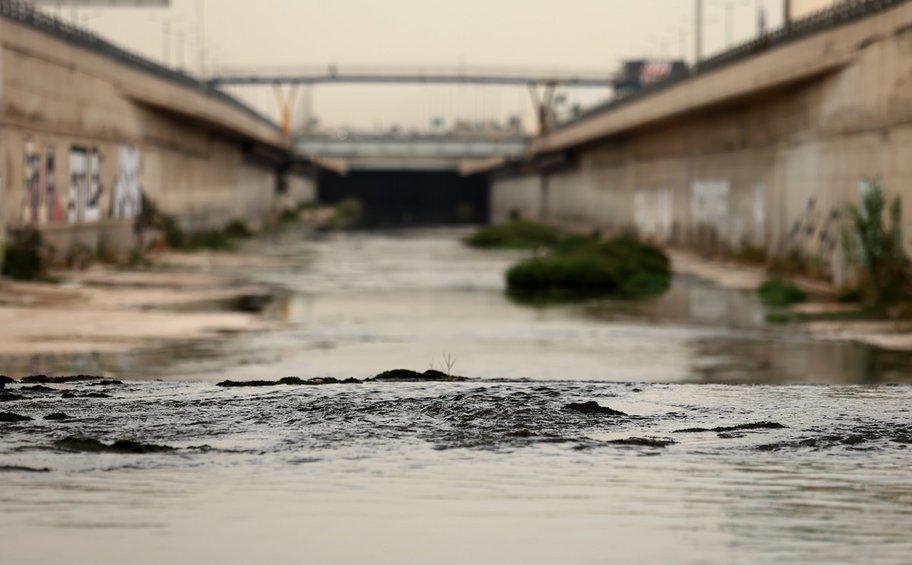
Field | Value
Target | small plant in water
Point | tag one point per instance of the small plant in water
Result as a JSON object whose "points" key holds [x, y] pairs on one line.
{"points": [[448, 363]]}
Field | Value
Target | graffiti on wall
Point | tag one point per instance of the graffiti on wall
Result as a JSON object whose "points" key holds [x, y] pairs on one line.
{"points": [[55, 210], [817, 231], [759, 215], [709, 207], [40, 201], [126, 196], [85, 185], [31, 197], [78, 184], [653, 213], [93, 199]]}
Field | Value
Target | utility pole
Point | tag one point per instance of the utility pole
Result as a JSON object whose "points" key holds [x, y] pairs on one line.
{"points": [[179, 55], [166, 42], [698, 33], [787, 14], [200, 39]]}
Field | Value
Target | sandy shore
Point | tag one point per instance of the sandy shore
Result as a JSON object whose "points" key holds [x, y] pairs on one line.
{"points": [[104, 309]]}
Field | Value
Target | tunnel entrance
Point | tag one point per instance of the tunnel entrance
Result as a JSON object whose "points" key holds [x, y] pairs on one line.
{"points": [[410, 198]]}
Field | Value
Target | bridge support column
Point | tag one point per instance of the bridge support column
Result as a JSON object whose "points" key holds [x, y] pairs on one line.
{"points": [[543, 104], [286, 103]]}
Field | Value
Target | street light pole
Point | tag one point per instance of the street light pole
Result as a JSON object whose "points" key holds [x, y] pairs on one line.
{"points": [[698, 32]]}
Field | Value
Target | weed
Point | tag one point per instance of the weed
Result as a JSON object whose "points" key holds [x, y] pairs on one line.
{"points": [[877, 247], [347, 214], [24, 258], [237, 229], [780, 294], [516, 234], [448, 363], [288, 215]]}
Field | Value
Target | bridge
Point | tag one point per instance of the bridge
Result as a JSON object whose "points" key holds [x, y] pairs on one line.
{"points": [[542, 83], [334, 74], [444, 152]]}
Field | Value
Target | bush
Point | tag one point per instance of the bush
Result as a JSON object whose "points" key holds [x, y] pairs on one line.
{"points": [[877, 247], [237, 229], [780, 294], [24, 259], [176, 238], [288, 215], [516, 234], [620, 268], [215, 240], [346, 215]]}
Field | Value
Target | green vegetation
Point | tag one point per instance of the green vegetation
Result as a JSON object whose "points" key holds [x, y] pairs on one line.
{"points": [[24, 258], [877, 248], [238, 230], [347, 214], [584, 267], [516, 234], [215, 239], [778, 293], [289, 215]]}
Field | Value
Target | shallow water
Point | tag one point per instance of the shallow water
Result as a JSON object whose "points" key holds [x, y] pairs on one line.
{"points": [[450, 472], [496, 469], [352, 304]]}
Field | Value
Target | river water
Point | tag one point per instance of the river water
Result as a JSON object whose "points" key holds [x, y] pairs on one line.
{"points": [[737, 442]]}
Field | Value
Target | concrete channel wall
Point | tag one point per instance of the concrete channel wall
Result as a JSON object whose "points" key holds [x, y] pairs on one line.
{"points": [[765, 152], [86, 133]]}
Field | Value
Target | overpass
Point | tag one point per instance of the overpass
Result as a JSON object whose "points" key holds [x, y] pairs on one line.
{"points": [[761, 148], [542, 83], [333, 74], [440, 152]]}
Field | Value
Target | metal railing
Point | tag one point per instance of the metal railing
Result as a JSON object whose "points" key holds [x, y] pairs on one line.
{"points": [[846, 12], [27, 15]]}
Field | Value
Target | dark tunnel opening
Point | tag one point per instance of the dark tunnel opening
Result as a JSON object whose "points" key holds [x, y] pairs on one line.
{"points": [[399, 198]]}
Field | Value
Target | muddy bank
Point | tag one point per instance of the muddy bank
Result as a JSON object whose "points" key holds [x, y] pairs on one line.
{"points": [[726, 273], [105, 310]]}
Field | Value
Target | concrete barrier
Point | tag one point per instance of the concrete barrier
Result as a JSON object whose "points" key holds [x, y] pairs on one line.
{"points": [[87, 130]]}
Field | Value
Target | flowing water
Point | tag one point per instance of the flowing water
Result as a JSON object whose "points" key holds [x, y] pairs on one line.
{"points": [[735, 442]]}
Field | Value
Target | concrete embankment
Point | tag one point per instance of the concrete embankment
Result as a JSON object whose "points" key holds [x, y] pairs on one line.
{"points": [[763, 150], [90, 135]]}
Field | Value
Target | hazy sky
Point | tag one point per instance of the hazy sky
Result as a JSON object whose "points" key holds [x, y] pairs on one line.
{"points": [[585, 34]]}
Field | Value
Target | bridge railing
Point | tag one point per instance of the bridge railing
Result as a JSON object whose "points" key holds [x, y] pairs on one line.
{"points": [[28, 15], [845, 12]]}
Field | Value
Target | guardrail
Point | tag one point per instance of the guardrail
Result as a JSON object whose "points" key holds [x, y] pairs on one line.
{"points": [[841, 14], [27, 15]]}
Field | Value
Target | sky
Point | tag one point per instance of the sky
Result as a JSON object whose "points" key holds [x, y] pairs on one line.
{"points": [[593, 35]]}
